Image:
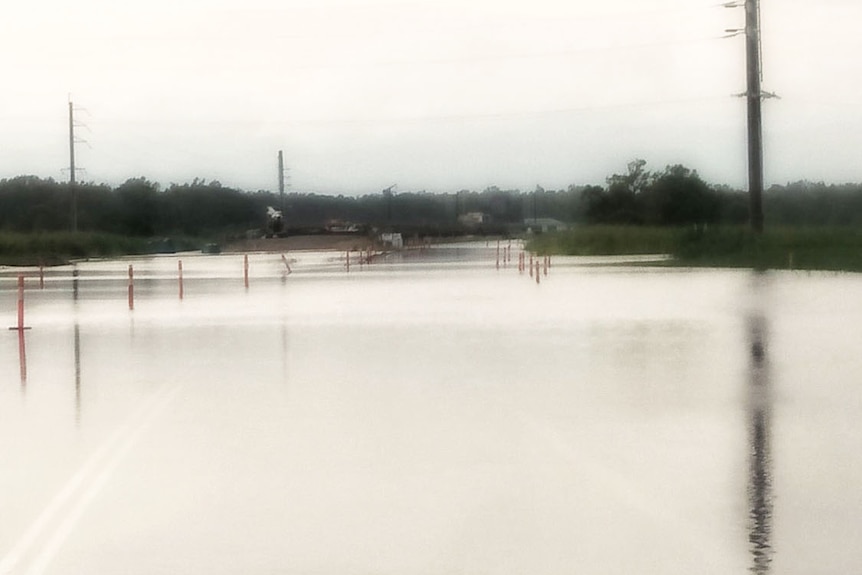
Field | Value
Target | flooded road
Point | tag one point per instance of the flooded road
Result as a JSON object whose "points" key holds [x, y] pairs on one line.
{"points": [[430, 413]]}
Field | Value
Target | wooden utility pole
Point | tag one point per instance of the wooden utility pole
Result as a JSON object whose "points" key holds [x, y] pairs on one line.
{"points": [[754, 97], [72, 187]]}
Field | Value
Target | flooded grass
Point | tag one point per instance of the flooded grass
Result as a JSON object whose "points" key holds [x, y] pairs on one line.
{"points": [[56, 248], [818, 248], [803, 248], [606, 241], [833, 248]]}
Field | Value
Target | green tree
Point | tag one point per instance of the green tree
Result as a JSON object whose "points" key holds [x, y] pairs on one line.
{"points": [[625, 192], [677, 197], [138, 206]]}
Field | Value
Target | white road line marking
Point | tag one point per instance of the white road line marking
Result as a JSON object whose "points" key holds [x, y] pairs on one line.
{"points": [[48, 552], [131, 427]]}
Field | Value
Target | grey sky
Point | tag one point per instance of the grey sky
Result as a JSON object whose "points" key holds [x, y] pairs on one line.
{"points": [[429, 94]]}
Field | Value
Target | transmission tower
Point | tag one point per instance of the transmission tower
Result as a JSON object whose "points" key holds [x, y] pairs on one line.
{"points": [[72, 187], [72, 169], [283, 179]]}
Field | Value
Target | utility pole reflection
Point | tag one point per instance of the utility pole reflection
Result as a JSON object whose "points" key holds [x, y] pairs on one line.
{"points": [[77, 347], [77, 373], [760, 473]]}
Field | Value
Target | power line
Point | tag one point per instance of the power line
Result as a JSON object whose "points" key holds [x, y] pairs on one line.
{"points": [[531, 55], [503, 115], [527, 113]]}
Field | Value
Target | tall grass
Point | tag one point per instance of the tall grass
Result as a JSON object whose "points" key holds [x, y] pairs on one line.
{"points": [[606, 240], [818, 248], [59, 247], [821, 248]]}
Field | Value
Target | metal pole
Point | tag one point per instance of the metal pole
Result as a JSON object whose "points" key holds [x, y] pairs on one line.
{"points": [[281, 180], [754, 98]]}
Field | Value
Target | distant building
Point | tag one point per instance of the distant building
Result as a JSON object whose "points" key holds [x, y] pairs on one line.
{"points": [[473, 219], [342, 227], [541, 225], [394, 241]]}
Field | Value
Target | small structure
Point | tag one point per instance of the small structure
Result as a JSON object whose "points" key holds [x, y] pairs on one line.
{"points": [[473, 219], [342, 227], [392, 240], [542, 225], [274, 223]]}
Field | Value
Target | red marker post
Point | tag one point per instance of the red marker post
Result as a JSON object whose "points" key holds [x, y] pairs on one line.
{"points": [[180, 276], [131, 288], [22, 355], [20, 326], [20, 302]]}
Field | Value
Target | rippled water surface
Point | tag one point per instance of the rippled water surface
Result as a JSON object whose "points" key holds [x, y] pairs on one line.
{"points": [[435, 412]]}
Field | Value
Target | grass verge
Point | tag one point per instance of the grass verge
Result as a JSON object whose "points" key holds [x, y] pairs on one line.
{"points": [[833, 248], [605, 241], [57, 248]]}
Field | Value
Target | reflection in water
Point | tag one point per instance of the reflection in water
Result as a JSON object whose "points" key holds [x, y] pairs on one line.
{"points": [[760, 460], [75, 283], [77, 373], [284, 344], [77, 347], [22, 358]]}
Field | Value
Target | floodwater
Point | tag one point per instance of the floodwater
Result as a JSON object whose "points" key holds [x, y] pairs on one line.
{"points": [[431, 413]]}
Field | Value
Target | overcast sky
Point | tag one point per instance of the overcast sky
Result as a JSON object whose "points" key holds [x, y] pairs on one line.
{"points": [[435, 95]]}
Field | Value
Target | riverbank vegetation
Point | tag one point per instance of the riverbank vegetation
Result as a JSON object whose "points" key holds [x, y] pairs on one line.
{"points": [[606, 240], [637, 211], [803, 248], [51, 248]]}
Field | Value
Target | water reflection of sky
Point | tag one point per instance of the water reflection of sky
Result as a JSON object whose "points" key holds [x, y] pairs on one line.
{"points": [[431, 415]]}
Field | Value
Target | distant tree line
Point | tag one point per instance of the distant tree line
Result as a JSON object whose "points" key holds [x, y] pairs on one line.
{"points": [[675, 196], [678, 196]]}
